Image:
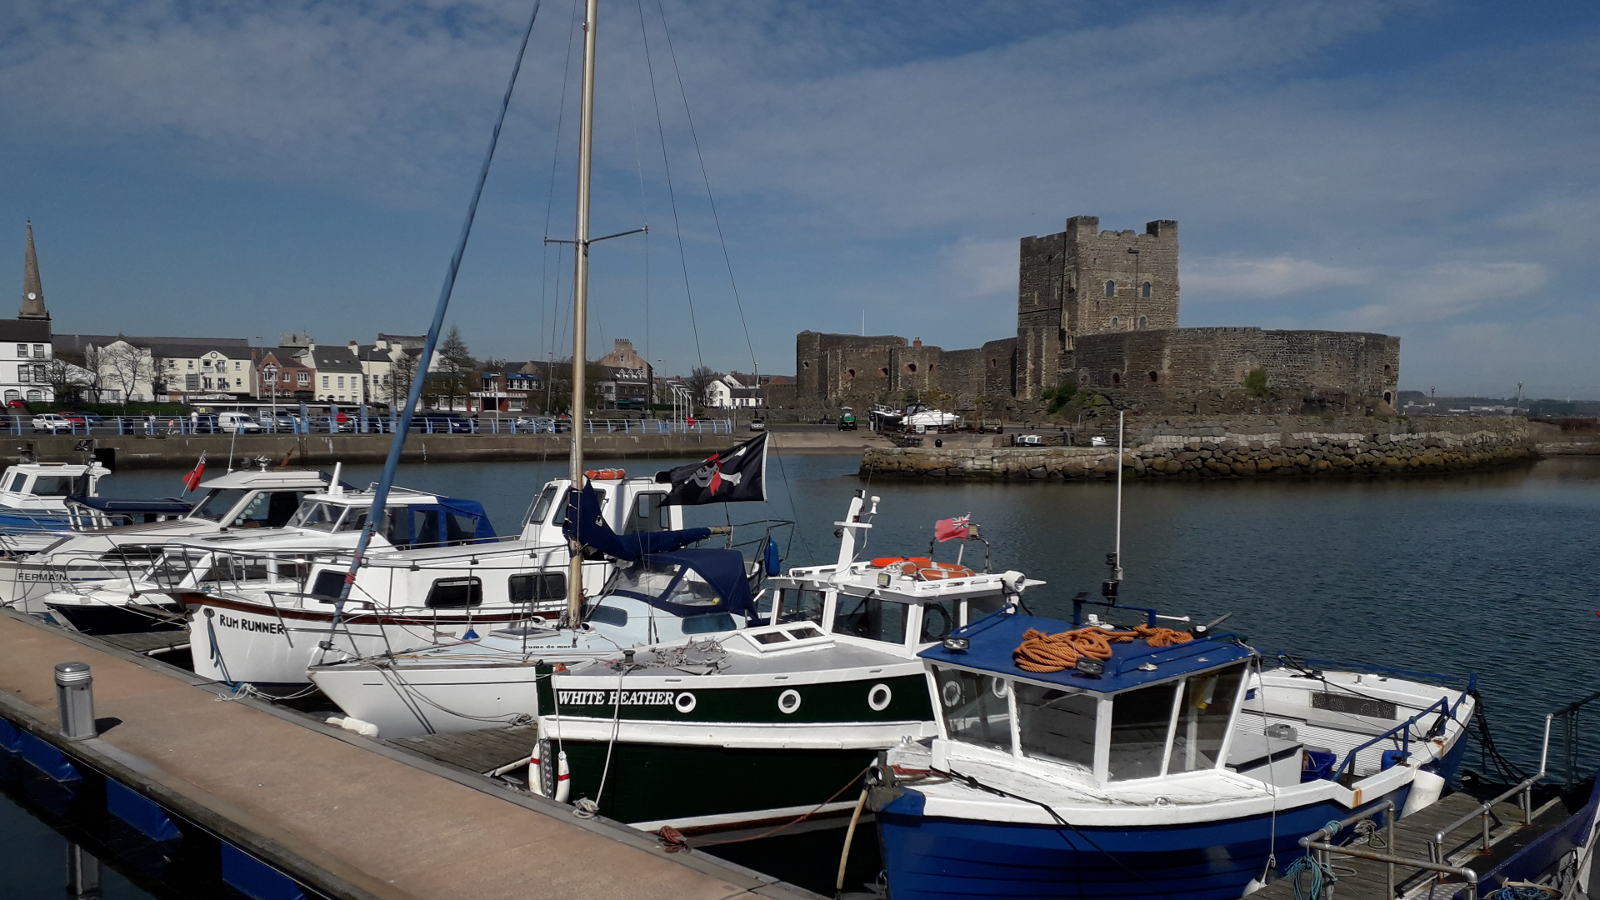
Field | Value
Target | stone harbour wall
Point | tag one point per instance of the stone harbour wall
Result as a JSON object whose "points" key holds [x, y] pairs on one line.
{"points": [[1236, 450]]}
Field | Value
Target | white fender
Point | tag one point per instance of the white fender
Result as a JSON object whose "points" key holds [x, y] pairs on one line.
{"points": [[365, 729], [563, 778], [535, 782], [1425, 790]]}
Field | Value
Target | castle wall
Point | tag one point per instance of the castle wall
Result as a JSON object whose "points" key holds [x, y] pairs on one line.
{"points": [[1314, 369]]}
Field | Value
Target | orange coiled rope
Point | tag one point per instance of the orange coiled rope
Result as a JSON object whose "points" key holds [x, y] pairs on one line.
{"points": [[1040, 652]]}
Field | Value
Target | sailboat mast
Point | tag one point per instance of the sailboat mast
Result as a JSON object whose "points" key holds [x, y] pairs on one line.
{"points": [[580, 296]]}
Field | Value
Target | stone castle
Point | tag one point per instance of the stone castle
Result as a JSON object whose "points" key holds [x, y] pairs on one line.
{"points": [[1098, 310]]}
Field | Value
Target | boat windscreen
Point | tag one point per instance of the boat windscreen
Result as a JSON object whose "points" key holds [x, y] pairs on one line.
{"points": [[317, 516], [217, 503], [652, 581]]}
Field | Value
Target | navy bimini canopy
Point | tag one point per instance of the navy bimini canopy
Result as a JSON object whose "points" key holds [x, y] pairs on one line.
{"points": [[1134, 664], [589, 528], [447, 521], [723, 570]]}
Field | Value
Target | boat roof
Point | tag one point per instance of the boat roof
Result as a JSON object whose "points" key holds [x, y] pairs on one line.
{"points": [[163, 506], [58, 468], [993, 638], [274, 478], [861, 579]]}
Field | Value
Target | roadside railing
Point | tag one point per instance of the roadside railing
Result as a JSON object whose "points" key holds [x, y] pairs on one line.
{"points": [[154, 426]]}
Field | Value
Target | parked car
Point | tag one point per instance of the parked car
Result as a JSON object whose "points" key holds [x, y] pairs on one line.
{"points": [[847, 419], [85, 419], [51, 422], [282, 421], [1099, 442], [536, 424], [758, 424], [1028, 440], [326, 425], [237, 423], [441, 421]]}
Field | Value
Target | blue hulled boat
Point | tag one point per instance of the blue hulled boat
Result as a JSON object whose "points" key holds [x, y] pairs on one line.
{"points": [[1087, 762]]}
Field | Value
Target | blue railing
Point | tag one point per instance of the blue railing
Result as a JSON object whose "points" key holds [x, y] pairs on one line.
{"points": [[356, 423], [1442, 705]]}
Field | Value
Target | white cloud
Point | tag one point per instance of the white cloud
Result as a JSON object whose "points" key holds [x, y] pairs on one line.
{"points": [[983, 268], [1223, 280], [1447, 290]]}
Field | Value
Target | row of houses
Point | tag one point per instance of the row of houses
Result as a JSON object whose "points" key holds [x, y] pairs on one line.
{"points": [[38, 365]]}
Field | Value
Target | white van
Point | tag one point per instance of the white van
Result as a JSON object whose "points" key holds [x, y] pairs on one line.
{"points": [[237, 423]]}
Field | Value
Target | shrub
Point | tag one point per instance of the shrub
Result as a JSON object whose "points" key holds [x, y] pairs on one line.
{"points": [[1255, 381]]}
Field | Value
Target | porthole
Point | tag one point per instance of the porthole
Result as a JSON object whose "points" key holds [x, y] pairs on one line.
{"points": [[998, 686], [951, 693], [788, 701], [684, 702], [879, 697]]}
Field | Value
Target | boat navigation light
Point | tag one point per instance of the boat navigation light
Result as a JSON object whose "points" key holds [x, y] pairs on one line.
{"points": [[957, 645], [883, 579], [874, 505]]}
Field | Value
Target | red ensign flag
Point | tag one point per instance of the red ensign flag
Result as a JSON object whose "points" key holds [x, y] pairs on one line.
{"points": [[952, 529], [191, 481]]}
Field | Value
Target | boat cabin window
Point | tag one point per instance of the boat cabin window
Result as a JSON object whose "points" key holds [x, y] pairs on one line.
{"points": [[53, 486], [536, 587], [649, 514], [17, 481], [978, 607], [317, 516], [938, 620], [455, 593], [234, 569], [328, 585], [801, 605], [546, 503], [609, 615], [217, 503], [1056, 725], [651, 581], [1139, 723], [871, 618], [708, 623], [269, 509], [975, 708], [1204, 714]]}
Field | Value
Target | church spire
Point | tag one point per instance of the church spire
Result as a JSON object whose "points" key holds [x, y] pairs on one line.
{"points": [[32, 289]]}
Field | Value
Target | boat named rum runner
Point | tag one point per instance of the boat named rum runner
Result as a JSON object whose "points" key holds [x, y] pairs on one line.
{"points": [[1161, 764]]}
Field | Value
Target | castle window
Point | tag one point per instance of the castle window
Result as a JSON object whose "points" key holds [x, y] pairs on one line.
{"points": [[850, 373], [1114, 322], [1154, 377], [911, 367], [806, 364], [884, 372], [1144, 289], [1144, 321], [1388, 397], [1116, 378], [1387, 371], [1111, 289]]}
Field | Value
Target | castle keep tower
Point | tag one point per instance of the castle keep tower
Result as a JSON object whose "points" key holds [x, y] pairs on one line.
{"points": [[32, 289], [1086, 281]]}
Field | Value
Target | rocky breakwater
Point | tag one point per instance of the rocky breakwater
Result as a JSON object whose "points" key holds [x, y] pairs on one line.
{"points": [[1266, 447]]}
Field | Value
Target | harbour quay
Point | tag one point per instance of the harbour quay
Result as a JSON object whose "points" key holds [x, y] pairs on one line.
{"points": [[300, 809], [1307, 447]]}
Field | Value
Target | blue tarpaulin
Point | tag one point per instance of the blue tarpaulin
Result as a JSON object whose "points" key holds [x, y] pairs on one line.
{"points": [[588, 527]]}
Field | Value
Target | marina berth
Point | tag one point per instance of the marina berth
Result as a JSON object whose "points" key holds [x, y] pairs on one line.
{"points": [[1101, 761], [246, 499]]}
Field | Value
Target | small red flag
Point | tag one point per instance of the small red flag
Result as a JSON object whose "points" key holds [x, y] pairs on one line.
{"points": [[953, 529], [191, 481]]}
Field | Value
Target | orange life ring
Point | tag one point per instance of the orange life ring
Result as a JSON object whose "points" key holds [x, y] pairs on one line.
{"points": [[938, 571], [884, 562], [605, 474]]}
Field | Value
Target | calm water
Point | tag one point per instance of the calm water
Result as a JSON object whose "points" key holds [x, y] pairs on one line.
{"points": [[1491, 573]]}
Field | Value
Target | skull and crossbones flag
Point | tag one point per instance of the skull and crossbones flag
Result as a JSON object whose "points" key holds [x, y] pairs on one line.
{"points": [[732, 476]]}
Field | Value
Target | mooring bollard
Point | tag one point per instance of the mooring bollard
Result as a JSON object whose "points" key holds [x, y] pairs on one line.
{"points": [[75, 700]]}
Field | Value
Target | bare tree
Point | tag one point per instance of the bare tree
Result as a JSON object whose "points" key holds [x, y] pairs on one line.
{"points": [[126, 367], [66, 378], [402, 371], [699, 380]]}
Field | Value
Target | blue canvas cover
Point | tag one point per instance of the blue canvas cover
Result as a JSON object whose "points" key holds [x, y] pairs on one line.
{"points": [[1134, 664], [449, 521], [723, 570], [167, 506], [589, 528]]}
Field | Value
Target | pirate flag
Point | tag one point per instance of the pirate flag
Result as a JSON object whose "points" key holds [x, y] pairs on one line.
{"points": [[736, 474]]}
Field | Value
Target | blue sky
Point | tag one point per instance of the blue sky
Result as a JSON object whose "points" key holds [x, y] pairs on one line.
{"points": [[1426, 169]]}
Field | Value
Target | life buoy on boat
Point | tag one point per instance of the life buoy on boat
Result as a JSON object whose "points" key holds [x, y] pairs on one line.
{"points": [[605, 474], [938, 571], [884, 562]]}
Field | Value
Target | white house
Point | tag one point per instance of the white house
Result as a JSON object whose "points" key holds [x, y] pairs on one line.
{"points": [[727, 392]]}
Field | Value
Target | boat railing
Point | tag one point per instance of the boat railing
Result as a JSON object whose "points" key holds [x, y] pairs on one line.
{"points": [[1484, 811], [1442, 705], [1320, 844], [1568, 716]]}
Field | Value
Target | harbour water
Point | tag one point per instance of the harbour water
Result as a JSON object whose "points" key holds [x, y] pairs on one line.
{"points": [[1490, 573]]}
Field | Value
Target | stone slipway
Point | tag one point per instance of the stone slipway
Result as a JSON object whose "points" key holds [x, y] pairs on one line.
{"points": [[325, 450], [344, 815], [1265, 446]]}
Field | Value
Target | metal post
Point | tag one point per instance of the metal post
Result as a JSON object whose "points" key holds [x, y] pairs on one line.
{"points": [[75, 700], [1389, 836]]}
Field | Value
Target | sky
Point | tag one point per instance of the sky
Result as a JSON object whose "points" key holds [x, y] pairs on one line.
{"points": [[1418, 168]]}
